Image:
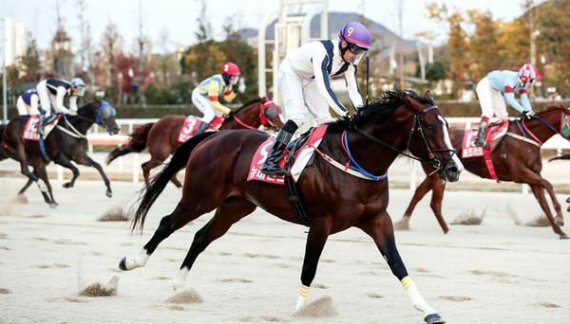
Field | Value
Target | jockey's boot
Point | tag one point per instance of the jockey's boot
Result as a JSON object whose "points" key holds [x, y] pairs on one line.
{"points": [[202, 128], [480, 140], [271, 165], [44, 120]]}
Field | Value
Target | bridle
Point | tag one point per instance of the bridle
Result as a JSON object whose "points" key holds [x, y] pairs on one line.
{"points": [[564, 119], [262, 116], [432, 160]]}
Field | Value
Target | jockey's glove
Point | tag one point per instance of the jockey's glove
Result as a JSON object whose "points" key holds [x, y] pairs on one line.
{"points": [[528, 114]]}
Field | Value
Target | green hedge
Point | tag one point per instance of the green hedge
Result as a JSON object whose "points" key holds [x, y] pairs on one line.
{"points": [[449, 109]]}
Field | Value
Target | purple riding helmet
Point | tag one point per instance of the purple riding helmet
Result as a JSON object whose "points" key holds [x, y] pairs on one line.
{"points": [[357, 34]]}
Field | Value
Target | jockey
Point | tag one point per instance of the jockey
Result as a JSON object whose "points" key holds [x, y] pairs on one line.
{"points": [[304, 82], [52, 92], [206, 95], [27, 103], [500, 86]]}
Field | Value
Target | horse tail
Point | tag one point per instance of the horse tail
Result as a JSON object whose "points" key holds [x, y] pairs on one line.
{"points": [[137, 143], [177, 162]]}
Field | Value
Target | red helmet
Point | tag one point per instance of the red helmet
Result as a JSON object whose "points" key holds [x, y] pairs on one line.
{"points": [[230, 68]]}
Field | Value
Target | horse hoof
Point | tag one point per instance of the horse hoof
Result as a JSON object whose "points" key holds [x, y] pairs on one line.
{"points": [[109, 193], [53, 205], [564, 237], [559, 221], [68, 185], [123, 264], [434, 318]]}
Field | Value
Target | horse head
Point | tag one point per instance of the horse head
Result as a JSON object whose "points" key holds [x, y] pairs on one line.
{"points": [[105, 116], [418, 126], [269, 114]]}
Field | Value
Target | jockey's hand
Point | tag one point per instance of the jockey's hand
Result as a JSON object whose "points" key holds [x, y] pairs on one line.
{"points": [[72, 113], [528, 114]]}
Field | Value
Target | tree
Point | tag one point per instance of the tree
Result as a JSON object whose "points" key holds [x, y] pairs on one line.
{"points": [[204, 32], [111, 48], [483, 44], [30, 62]]}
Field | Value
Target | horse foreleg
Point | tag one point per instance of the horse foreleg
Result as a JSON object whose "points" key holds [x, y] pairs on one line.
{"points": [[87, 161], [316, 239], [229, 213], [538, 192], [381, 230], [64, 162], [438, 187], [404, 223]]}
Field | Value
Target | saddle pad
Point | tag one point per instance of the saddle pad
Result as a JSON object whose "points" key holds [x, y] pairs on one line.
{"points": [[495, 133], [30, 132], [189, 128], [302, 157]]}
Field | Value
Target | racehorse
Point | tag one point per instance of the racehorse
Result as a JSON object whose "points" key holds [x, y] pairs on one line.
{"points": [[516, 158], [218, 164], [161, 138], [66, 143]]}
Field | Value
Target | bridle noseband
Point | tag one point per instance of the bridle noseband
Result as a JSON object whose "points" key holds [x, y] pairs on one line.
{"points": [[436, 163]]}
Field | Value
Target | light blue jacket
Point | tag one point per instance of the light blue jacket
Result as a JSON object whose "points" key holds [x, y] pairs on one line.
{"points": [[507, 82]]}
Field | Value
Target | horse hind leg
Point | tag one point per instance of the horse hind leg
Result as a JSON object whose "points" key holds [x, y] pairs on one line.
{"points": [[229, 213], [186, 211], [404, 223], [64, 162], [147, 166], [538, 192]]}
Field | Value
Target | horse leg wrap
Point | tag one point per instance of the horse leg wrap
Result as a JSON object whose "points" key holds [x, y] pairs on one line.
{"points": [[136, 261], [180, 279], [415, 297], [303, 294]]}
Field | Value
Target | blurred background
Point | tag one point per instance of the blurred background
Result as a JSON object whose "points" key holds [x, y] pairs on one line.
{"points": [[147, 56]]}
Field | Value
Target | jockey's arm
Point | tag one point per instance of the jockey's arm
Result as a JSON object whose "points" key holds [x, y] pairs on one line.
{"points": [[213, 98], [510, 99], [320, 63], [352, 86], [73, 103], [34, 103], [525, 101], [229, 95], [59, 107]]}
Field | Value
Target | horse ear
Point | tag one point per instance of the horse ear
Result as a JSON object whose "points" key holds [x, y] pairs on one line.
{"points": [[412, 103], [428, 94]]}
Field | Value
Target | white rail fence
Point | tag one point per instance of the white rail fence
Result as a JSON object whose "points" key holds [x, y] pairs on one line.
{"points": [[406, 170]]}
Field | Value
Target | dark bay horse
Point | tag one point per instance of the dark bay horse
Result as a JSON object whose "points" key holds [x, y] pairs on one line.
{"points": [[67, 142], [517, 158], [217, 167], [161, 138]]}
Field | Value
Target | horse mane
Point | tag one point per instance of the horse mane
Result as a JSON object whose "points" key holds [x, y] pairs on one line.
{"points": [[381, 108], [245, 105]]}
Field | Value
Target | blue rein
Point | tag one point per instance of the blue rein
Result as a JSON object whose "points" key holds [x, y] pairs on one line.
{"points": [[353, 165]]}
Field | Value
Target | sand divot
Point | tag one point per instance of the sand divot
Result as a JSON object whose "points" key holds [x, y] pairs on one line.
{"points": [[320, 308], [115, 214], [263, 319], [19, 199], [456, 298], [470, 217], [538, 221], [4, 291], [101, 290], [188, 296]]}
